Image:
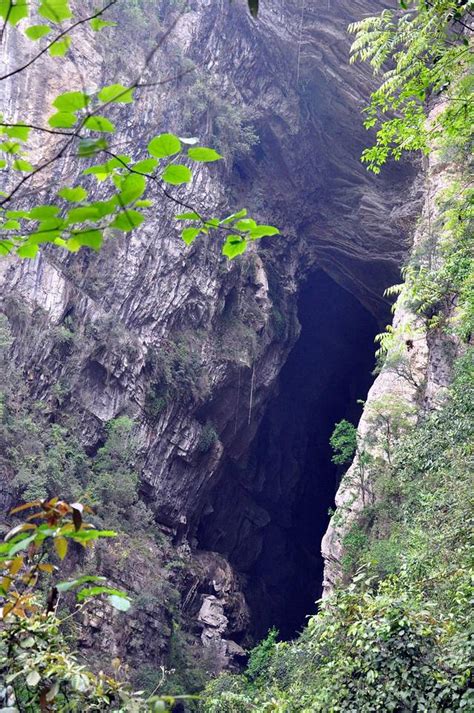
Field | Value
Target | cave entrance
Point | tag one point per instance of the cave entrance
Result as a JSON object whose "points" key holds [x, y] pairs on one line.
{"points": [[281, 496]]}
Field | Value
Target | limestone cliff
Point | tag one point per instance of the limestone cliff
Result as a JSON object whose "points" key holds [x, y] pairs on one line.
{"points": [[185, 343]]}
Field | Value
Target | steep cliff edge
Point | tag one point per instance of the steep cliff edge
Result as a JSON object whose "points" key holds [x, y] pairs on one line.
{"points": [[185, 344]]}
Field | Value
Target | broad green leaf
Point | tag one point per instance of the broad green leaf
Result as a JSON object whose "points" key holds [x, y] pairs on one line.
{"points": [[119, 602], [11, 225], [245, 224], [262, 230], [36, 32], [71, 101], [99, 123], [106, 207], [15, 11], [3, 163], [17, 131], [233, 246], [128, 220], [95, 591], [132, 187], [21, 165], [97, 24], [73, 195], [6, 247], [81, 214], [148, 165], [164, 145], [27, 250], [55, 10], [23, 543], [60, 47], [203, 154], [41, 212], [72, 245], [73, 583], [116, 93], [176, 174], [89, 238], [62, 120], [188, 216], [189, 234], [17, 214]]}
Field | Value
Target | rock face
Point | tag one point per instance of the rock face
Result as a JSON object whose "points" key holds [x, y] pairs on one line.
{"points": [[418, 368], [189, 345]]}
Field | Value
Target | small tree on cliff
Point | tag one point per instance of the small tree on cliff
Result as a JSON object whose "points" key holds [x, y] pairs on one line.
{"points": [[33, 210]]}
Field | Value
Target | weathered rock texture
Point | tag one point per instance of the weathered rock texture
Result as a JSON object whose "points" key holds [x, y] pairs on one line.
{"points": [[184, 342], [418, 368]]}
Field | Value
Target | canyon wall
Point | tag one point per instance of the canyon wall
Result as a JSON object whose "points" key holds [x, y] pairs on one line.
{"points": [[189, 345]]}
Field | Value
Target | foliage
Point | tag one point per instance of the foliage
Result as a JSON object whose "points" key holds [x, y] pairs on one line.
{"points": [[33, 656], [343, 442], [420, 51], [207, 438], [82, 124]]}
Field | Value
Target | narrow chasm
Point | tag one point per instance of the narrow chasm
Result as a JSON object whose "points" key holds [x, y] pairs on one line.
{"points": [[270, 512]]}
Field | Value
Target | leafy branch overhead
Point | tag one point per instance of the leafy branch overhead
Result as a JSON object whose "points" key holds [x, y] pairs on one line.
{"points": [[81, 127]]}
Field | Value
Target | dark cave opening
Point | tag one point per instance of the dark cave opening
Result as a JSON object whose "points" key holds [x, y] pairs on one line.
{"points": [[270, 513]]}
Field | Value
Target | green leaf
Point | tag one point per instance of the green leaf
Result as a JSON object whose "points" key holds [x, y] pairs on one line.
{"points": [[132, 187], [36, 32], [176, 174], [144, 203], [148, 165], [190, 234], [55, 10], [116, 93], [95, 591], [89, 238], [62, 120], [99, 123], [14, 12], [41, 212], [81, 214], [245, 224], [128, 220], [60, 47], [11, 225], [188, 216], [21, 165], [203, 154], [164, 145], [71, 101], [73, 195], [17, 131], [97, 24], [262, 230], [119, 602], [73, 583], [233, 246]]}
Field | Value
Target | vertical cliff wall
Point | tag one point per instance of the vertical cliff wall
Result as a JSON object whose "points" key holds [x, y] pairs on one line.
{"points": [[188, 344]]}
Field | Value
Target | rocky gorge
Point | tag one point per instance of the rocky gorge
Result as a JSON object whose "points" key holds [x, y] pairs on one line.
{"points": [[233, 373]]}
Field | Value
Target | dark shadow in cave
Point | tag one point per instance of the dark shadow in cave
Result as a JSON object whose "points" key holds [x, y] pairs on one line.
{"points": [[273, 510]]}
